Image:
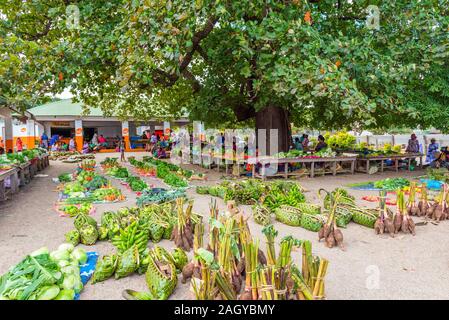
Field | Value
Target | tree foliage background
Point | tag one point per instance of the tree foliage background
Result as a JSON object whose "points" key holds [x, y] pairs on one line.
{"points": [[227, 61]]}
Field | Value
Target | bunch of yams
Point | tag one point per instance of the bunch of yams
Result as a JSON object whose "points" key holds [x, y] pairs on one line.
{"points": [[401, 220]]}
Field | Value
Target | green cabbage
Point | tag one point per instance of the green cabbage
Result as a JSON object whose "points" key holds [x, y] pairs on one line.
{"points": [[48, 292], [66, 247], [66, 295], [80, 255], [60, 255], [43, 250]]}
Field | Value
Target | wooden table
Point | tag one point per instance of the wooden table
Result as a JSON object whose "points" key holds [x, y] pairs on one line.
{"points": [[13, 175], [286, 161], [24, 173], [396, 158]]}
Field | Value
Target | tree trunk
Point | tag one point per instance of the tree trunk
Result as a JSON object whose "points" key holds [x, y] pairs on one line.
{"points": [[274, 118]]}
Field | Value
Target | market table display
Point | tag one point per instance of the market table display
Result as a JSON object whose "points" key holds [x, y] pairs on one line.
{"points": [[396, 158], [303, 160], [17, 169], [12, 174]]}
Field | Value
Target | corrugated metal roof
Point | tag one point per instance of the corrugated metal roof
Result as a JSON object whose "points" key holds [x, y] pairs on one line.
{"points": [[64, 107]]}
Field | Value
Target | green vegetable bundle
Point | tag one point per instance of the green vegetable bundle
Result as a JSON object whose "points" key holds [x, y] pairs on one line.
{"points": [[133, 235], [73, 237], [161, 276], [105, 268], [127, 263], [136, 184]]}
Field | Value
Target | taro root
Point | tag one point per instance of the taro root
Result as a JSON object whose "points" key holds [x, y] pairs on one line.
{"points": [[187, 272], [404, 225], [246, 296], [330, 240], [338, 235], [423, 204], [379, 226], [321, 234], [411, 225], [389, 226], [397, 222]]}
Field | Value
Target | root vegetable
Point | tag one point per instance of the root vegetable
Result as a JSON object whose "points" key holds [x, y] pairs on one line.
{"points": [[187, 272], [330, 240], [246, 296], [411, 225], [338, 235]]}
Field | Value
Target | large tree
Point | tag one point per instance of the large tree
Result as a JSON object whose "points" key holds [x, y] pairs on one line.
{"points": [[313, 63]]}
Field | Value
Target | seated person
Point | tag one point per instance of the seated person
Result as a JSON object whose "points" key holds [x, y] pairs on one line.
{"points": [[321, 144], [85, 147], [298, 144], [102, 141], [55, 147], [441, 159], [161, 154]]}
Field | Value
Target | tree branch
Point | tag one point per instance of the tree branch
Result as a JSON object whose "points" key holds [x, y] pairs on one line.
{"points": [[197, 37]]}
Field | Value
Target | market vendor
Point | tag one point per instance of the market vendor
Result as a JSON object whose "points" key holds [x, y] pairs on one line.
{"points": [[72, 145], [441, 159], [413, 144], [297, 144], [102, 141], [431, 150], [44, 140], [54, 139], [85, 147], [321, 144], [305, 142]]}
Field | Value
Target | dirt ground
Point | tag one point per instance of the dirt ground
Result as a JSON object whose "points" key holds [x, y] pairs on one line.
{"points": [[371, 267]]}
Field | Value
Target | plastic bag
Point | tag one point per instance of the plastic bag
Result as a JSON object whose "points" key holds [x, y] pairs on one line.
{"points": [[105, 268]]}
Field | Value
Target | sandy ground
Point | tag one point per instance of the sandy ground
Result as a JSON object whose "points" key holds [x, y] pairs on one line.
{"points": [[372, 267]]}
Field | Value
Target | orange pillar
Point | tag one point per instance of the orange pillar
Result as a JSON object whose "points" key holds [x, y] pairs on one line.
{"points": [[79, 135], [125, 134]]}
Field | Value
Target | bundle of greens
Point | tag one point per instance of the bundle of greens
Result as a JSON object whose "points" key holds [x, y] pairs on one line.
{"points": [[45, 276], [136, 184]]}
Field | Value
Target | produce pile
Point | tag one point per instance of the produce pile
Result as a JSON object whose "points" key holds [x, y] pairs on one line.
{"points": [[392, 183], [370, 151], [42, 275], [170, 173], [440, 174], [271, 194], [340, 140], [7, 161], [118, 172], [88, 165], [143, 168], [129, 230], [62, 155], [109, 163], [159, 195], [389, 184], [230, 265], [136, 183], [86, 186], [72, 210]]}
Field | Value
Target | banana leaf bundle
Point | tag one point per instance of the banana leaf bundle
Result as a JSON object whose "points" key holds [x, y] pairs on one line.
{"points": [[105, 268]]}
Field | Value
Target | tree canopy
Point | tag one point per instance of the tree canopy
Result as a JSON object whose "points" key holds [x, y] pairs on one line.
{"points": [[227, 61]]}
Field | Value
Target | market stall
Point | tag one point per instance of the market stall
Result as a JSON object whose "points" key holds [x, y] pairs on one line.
{"points": [[364, 162], [17, 170], [331, 165]]}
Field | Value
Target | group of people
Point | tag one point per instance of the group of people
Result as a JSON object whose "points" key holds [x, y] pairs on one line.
{"points": [[303, 143], [56, 144], [157, 145]]}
